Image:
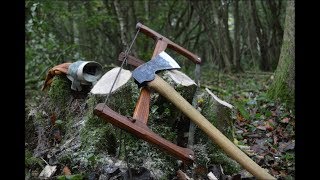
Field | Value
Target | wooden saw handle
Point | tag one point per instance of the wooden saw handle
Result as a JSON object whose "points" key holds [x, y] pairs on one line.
{"points": [[142, 131], [141, 110], [162, 87], [156, 36]]}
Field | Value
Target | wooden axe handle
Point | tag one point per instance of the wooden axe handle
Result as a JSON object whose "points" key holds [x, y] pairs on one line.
{"points": [[216, 136], [153, 34]]}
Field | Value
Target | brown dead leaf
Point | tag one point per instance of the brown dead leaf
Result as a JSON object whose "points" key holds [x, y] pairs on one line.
{"points": [[239, 117], [285, 146], [269, 134], [57, 135], [275, 140], [66, 171], [274, 172], [289, 146], [262, 128], [269, 126], [283, 173], [53, 119], [285, 120]]}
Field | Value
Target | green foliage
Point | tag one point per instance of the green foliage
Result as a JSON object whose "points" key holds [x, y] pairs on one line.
{"points": [[66, 158], [71, 177], [241, 107], [289, 156], [59, 122], [44, 48]]}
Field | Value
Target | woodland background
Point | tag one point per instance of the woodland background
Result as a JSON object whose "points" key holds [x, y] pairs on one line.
{"points": [[246, 47]]}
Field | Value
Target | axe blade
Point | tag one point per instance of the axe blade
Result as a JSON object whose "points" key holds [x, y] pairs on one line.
{"points": [[146, 72]]}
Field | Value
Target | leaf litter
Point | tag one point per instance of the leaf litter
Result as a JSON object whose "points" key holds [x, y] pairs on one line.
{"points": [[264, 128]]}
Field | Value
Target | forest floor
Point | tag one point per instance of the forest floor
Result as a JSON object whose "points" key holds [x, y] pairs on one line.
{"points": [[264, 128]]}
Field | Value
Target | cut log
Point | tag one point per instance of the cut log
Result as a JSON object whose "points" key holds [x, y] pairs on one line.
{"points": [[180, 78], [106, 82]]}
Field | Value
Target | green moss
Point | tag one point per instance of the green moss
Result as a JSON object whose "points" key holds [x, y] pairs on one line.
{"points": [[71, 177], [206, 151], [217, 156], [31, 161], [60, 91], [284, 81], [65, 158], [98, 135], [218, 115]]}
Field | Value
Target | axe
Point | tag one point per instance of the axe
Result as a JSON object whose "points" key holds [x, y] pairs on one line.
{"points": [[140, 115], [145, 75], [141, 110]]}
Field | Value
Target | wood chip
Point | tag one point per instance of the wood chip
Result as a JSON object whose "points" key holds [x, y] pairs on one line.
{"points": [[47, 172]]}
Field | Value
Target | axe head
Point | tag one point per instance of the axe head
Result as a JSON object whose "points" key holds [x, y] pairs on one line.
{"points": [[146, 72]]}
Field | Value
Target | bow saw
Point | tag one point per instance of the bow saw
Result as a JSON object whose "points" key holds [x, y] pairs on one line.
{"points": [[146, 76]]}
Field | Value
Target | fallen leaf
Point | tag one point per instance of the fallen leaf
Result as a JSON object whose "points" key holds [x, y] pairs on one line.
{"points": [[274, 172], [275, 140], [269, 134], [262, 128], [285, 146], [283, 173], [53, 119], [57, 135], [182, 176], [285, 120], [240, 118], [268, 126], [289, 146], [66, 171]]}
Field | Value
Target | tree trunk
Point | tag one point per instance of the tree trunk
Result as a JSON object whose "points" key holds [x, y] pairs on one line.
{"points": [[225, 30], [277, 32], [224, 38], [131, 27], [121, 24], [75, 32], [88, 36], [236, 47], [209, 28], [146, 9], [264, 64], [252, 37], [284, 82]]}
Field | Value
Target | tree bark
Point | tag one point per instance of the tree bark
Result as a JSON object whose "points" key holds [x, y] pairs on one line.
{"points": [[131, 22], [264, 64], [224, 38], [284, 82], [146, 9], [236, 47], [121, 23], [209, 30], [251, 39], [277, 31]]}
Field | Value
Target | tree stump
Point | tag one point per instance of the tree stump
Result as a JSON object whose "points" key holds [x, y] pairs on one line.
{"points": [[89, 144]]}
